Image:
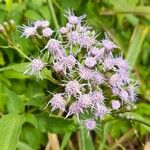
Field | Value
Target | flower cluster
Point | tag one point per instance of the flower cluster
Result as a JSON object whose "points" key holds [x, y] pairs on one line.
{"points": [[95, 81]]}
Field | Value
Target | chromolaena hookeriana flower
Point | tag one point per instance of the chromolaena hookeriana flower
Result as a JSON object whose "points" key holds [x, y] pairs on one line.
{"points": [[95, 81]]}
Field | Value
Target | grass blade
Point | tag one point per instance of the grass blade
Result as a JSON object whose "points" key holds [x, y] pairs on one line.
{"points": [[136, 42]]}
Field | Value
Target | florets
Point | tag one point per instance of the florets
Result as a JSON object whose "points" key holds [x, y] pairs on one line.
{"points": [[90, 73]]}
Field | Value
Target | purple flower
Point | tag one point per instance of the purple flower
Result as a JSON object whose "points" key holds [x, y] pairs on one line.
{"points": [[74, 37], [35, 67], [124, 95], [97, 78], [41, 24], [108, 44], [69, 61], [86, 41], [101, 111], [85, 100], [108, 63], [28, 31], [90, 62], [90, 124], [85, 73], [75, 109], [72, 87], [57, 102], [59, 67], [63, 30], [97, 97], [55, 47], [47, 32], [115, 104]]}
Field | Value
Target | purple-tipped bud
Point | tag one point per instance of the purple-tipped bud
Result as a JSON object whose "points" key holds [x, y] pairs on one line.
{"points": [[57, 102], [47, 32], [63, 30], [115, 104], [90, 124], [72, 87]]}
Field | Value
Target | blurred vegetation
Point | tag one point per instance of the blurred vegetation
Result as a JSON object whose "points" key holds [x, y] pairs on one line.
{"points": [[23, 124]]}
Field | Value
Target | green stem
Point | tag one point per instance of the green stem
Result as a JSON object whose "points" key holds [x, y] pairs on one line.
{"points": [[17, 49], [52, 11]]}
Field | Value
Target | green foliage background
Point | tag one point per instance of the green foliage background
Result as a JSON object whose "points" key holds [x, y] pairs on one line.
{"points": [[24, 125]]}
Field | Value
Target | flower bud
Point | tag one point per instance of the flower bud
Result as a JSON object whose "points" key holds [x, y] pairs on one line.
{"points": [[6, 26], [12, 24]]}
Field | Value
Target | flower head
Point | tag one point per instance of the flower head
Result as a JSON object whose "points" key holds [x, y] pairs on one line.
{"points": [[115, 104], [57, 102], [47, 32], [72, 87], [90, 124]]}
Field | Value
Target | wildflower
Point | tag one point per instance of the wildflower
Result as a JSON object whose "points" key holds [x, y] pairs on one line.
{"points": [[63, 30], [28, 31], [108, 63], [87, 41], [97, 78], [74, 37], [124, 95], [72, 87], [69, 61], [85, 73], [90, 124], [115, 104], [101, 111], [59, 67], [35, 67], [90, 62], [57, 102], [74, 108], [55, 47], [47, 32], [85, 100], [109, 45], [97, 97], [74, 19], [41, 24]]}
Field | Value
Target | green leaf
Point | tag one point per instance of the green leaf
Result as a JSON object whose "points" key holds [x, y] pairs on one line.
{"points": [[9, 4], [23, 146], [2, 61], [136, 42], [10, 128], [32, 14], [17, 67], [55, 124], [86, 140], [14, 103], [65, 140], [138, 118], [32, 136], [30, 118]]}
